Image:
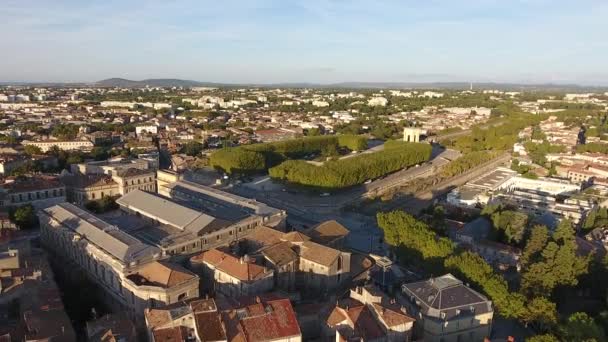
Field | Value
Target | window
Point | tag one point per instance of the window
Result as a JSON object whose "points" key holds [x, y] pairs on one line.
{"points": [[93, 195], [182, 296], [340, 263]]}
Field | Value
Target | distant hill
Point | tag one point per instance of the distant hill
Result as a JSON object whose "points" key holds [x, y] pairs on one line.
{"points": [[170, 82], [155, 82]]}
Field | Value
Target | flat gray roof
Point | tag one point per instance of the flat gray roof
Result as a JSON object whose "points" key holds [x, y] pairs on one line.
{"points": [[105, 236], [494, 179]]}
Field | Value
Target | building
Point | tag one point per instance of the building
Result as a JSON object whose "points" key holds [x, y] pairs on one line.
{"points": [[232, 276], [38, 191], [329, 233], [216, 202], [377, 101], [249, 319], [65, 145], [446, 310], [28, 288], [135, 179], [130, 273], [10, 162], [146, 129], [181, 228], [369, 315], [110, 167], [298, 263], [84, 188]]}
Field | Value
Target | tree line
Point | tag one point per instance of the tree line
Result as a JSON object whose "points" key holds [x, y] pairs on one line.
{"points": [[341, 173], [260, 157], [549, 262]]}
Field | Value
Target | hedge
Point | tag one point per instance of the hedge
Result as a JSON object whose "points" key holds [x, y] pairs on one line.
{"points": [[260, 157], [352, 171]]}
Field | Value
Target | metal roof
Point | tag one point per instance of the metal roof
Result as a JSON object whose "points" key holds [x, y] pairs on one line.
{"points": [[109, 238]]}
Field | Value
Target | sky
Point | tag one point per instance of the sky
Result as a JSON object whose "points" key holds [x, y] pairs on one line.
{"points": [[319, 41]]}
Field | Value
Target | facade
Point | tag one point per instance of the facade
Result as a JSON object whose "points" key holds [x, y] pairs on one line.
{"points": [[135, 179], [448, 311], [38, 191], [248, 319], [66, 145], [129, 272], [369, 315], [84, 188]]}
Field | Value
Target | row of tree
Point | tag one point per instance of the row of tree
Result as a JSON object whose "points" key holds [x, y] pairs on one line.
{"points": [[347, 172], [548, 261], [259, 157]]}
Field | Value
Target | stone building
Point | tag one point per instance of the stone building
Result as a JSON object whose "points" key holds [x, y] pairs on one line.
{"points": [[129, 272], [446, 310]]}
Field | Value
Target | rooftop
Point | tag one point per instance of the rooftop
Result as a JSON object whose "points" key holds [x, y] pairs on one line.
{"points": [[113, 241]]}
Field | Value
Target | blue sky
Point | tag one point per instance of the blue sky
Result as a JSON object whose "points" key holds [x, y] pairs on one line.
{"points": [[265, 41]]}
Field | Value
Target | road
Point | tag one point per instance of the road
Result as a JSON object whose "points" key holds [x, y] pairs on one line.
{"points": [[414, 203]]}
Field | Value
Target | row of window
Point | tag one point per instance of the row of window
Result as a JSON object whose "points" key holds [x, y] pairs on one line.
{"points": [[32, 196]]}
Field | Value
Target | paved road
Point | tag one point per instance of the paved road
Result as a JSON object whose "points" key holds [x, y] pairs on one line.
{"points": [[422, 199]]}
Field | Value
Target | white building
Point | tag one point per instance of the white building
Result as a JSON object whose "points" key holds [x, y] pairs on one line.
{"points": [[377, 101]]}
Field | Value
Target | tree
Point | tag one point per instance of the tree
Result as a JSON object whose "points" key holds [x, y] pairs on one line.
{"points": [[537, 241], [581, 328], [472, 267], [542, 338], [558, 264], [412, 238], [511, 224], [25, 217], [540, 311], [32, 150], [192, 148]]}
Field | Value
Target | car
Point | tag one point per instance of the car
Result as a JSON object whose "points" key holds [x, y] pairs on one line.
{"points": [[368, 181], [325, 194]]}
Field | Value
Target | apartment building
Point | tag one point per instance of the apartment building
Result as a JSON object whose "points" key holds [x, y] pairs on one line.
{"points": [[131, 273], [66, 145], [446, 310]]}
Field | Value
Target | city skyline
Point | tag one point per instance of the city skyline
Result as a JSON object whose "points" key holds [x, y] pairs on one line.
{"points": [[306, 41]]}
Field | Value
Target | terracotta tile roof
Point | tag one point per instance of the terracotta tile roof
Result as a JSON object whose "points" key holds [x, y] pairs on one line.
{"points": [[265, 235], [156, 317], [392, 317], [295, 237], [318, 253], [32, 183], [360, 319], [210, 326], [88, 181], [231, 265], [159, 273], [263, 321], [177, 334], [327, 232], [280, 254]]}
